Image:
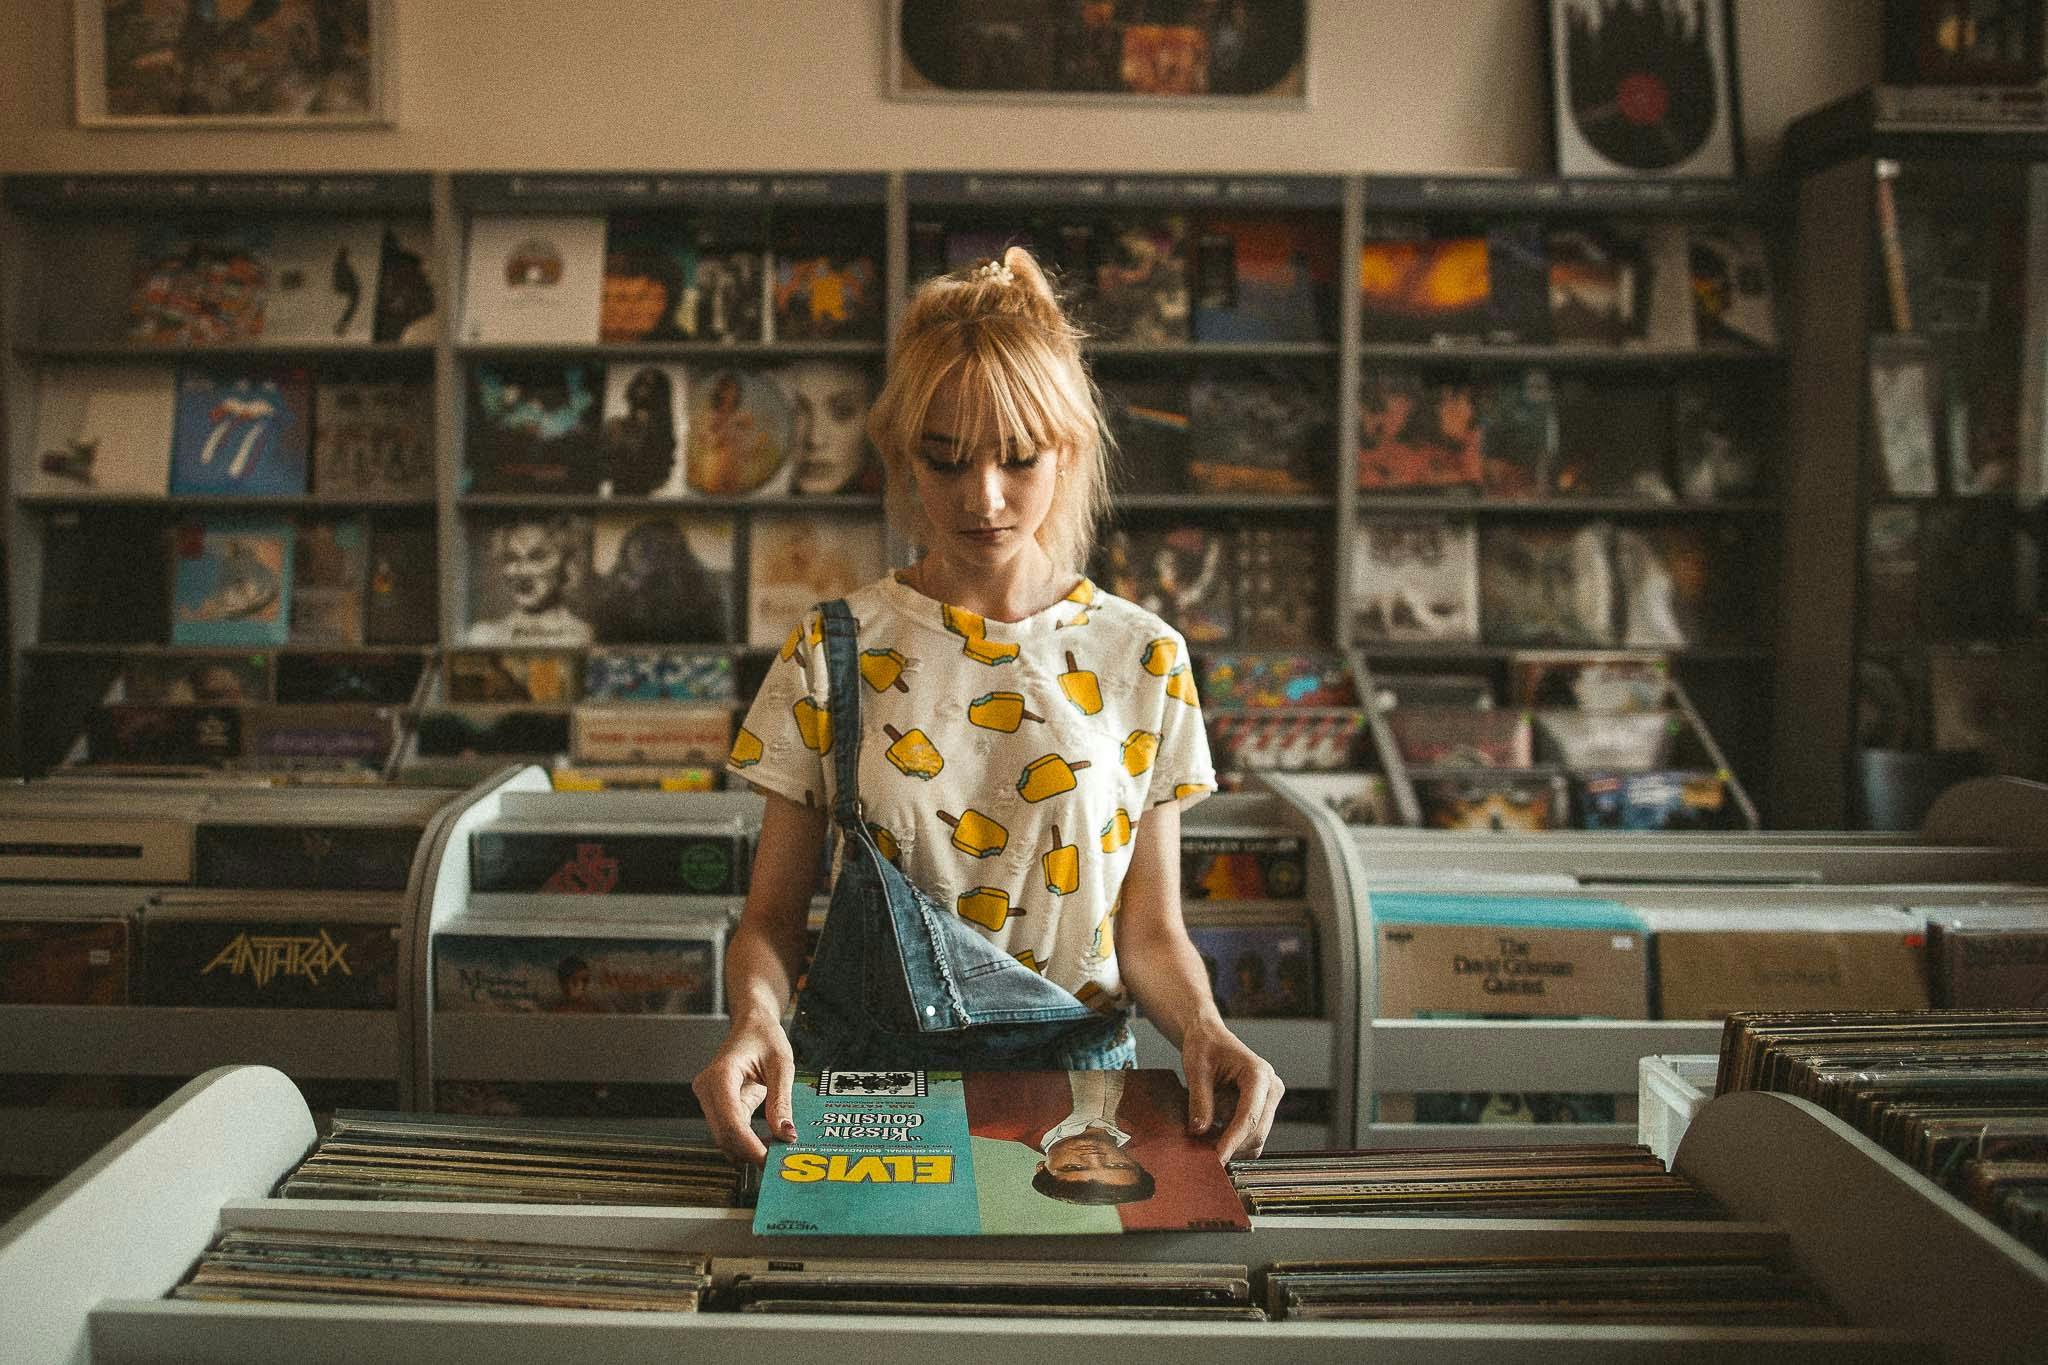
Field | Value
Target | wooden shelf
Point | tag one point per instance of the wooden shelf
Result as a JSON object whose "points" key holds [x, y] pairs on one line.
{"points": [[669, 350], [232, 352], [207, 502], [1480, 353], [824, 503], [1456, 502]]}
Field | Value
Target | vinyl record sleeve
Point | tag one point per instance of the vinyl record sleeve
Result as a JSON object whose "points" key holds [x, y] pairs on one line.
{"points": [[534, 279]]}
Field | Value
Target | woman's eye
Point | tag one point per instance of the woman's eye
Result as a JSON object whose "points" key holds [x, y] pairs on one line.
{"points": [[1027, 462], [939, 466]]}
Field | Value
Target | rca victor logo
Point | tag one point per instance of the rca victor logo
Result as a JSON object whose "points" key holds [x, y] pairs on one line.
{"points": [[263, 956]]}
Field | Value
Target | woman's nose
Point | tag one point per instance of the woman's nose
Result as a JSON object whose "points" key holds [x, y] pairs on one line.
{"points": [[984, 487]]}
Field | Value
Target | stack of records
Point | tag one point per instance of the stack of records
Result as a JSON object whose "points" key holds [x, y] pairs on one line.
{"points": [[1565, 1180], [371, 1155], [1703, 1288], [1961, 1095], [1012, 1289], [278, 1266]]}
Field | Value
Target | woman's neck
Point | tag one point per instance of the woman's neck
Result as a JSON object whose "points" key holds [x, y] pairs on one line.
{"points": [[1024, 587]]}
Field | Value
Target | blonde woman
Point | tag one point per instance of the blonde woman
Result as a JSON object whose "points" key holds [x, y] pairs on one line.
{"points": [[1006, 755]]}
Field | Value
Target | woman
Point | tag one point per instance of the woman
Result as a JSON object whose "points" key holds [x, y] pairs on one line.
{"points": [[1024, 745]]}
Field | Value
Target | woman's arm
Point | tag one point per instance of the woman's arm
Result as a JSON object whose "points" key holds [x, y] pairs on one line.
{"points": [[1164, 973], [754, 1064]]}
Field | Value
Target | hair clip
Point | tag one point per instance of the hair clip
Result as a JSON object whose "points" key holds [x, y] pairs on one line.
{"points": [[997, 271]]}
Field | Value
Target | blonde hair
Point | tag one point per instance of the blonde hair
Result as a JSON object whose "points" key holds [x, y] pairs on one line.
{"points": [[999, 331]]}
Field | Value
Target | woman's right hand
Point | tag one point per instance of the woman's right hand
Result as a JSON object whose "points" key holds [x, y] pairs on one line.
{"points": [[753, 1069]]}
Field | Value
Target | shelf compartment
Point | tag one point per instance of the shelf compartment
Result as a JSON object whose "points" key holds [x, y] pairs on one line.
{"points": [[144, 1040], [668, 350], [1559, 357], [1589, 1056], [237, 352], [823, 502]]}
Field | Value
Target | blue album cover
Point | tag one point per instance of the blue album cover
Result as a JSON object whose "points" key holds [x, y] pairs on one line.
{"points": [[241, 434], [232, 582], [657, 675], [1259, 970]]}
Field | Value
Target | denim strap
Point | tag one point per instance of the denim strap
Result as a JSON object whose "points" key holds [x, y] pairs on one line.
{"points": [[842, 680]]}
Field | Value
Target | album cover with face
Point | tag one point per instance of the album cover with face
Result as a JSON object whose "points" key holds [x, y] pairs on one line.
{"points": [[529, 578], [323, 279], [662, 578]]}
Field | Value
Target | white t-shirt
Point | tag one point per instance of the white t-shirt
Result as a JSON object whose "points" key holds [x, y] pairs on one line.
{"points": [[1004, 764]]}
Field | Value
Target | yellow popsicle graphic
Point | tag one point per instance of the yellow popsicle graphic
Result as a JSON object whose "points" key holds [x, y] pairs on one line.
{"points": [[987, 906], [1139, 748], [1081, 687], [796, 633], [883, 669], [913, 754], [1003, 711], [1093, 996], [1180, 685], [885, 842], [964, 624], [1030, 959], [1117, 832], [1047, 775], [1062, 866], [814, 723], [746, 749], [990, 652], [975, 834], [1159, 656], [1105, 939], [1084, 593], [1181, 789]]}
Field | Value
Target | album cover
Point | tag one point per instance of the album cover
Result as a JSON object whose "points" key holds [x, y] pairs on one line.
{"points": [[337, 950], [1287, 740], [796, 562], [346, 737], [983, 1154], [1891, 574], [1598, 286], [1277, 607], [1473, 691], [502, 972], [245, 434], [103, 578], [1731, 287], [534, 279], [1591, 682], [408, 289], [530, 580], [1493, 801], [1275, 680], [1719, 439], [737, 433], [1969, 570], [1461, 737], [1612, 441], [1670, 312], [1141, 282], [1264, 435], [1518, 281], [1151, 420], [1904, 387], [1417, 287], [1604, 55], [661, 579], [1986, 700], [164, 736], [1620, 741], [668, 733], [1263, 968], [103, 430], [1414, 434], [65, 960], [1519, 422], [373, 439], [199, 287], [1416, 578], [1679, 584], [658, 675], [728, 292], [534, 427], [649, 293], [524, 676], [307, 676], [469, 731], [330, 573], [232, 581], [1654, 801], [1181, 573], [700, 861], [323, 279], [402, 603], [828, 431], [1264, 278], [1546, 585], [184, 679], [828, 283]]}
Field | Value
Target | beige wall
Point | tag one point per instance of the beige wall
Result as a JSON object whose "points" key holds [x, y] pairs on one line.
{"points": [[1399, 86]]}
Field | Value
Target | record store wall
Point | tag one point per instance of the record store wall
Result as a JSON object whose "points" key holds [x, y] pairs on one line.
{"points": [[1395, 87]]}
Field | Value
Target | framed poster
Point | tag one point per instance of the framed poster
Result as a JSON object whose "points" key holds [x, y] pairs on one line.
{"points": [[1189, 52], [262, 63], [1644, 87]]}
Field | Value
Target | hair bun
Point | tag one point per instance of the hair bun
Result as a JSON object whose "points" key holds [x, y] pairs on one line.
{"points": [[1024, 268]]}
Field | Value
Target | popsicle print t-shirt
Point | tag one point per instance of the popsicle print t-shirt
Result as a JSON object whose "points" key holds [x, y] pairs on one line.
{"points": [[1004, 765]]}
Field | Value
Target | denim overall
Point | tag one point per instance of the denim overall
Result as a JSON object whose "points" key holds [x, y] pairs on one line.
{"points": [[898, 981]]}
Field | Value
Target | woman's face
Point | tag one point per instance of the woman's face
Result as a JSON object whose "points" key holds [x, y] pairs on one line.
{"points": [[533, 567], [982, 507], [828, 424]]}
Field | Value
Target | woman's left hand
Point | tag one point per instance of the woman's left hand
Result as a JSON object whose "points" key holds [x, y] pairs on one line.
{"points": [[1214, 1059]]}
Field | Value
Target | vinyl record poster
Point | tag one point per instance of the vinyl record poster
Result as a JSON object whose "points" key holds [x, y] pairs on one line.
{"points": [[1644, 88]]}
